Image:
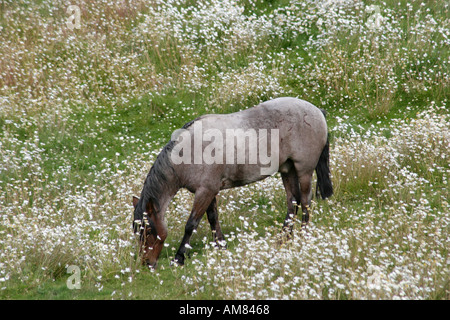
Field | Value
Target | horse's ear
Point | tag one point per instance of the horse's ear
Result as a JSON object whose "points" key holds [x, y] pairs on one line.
{"points": [[135, 201]]}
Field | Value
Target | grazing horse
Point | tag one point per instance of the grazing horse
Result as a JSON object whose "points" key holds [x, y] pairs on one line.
{"points": [[222, 151]]}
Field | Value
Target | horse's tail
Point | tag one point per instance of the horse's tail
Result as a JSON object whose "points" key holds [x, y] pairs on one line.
{"points": [[324, 184]]}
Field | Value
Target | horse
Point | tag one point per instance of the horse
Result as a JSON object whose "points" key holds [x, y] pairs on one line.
{"points": [[221, 151]]}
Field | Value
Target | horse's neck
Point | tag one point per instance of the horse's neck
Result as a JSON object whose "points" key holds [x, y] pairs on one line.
{"points": [[170, 188]]}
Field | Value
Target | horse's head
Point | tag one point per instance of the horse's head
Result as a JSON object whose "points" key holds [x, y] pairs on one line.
{"points": [[145, 225]]}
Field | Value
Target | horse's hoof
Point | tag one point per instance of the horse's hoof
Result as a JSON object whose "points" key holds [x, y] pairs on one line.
{"points": [[177, 261]]}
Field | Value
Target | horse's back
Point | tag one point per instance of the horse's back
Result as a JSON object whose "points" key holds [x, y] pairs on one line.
{"points": [[301, 129], [272, 114], [292, 109]]}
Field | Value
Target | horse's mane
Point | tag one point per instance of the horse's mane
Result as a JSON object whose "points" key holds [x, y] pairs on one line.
{"points": [[157, 178]]}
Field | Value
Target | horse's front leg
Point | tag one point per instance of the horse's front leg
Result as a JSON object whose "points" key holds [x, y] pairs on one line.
{"points": [[213, 219], [202, 200]]}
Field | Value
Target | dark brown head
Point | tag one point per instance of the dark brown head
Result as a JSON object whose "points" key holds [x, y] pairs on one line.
{"points": [[146, 226]]}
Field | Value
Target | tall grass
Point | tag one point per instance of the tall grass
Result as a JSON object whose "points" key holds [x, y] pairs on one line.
{"points": [[84, 112]]}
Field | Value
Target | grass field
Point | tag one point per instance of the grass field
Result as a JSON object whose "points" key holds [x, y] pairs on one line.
{"points": [[90, 91]]}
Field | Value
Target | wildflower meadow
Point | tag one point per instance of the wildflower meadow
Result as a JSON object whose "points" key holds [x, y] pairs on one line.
{"points": [[90, 92]]}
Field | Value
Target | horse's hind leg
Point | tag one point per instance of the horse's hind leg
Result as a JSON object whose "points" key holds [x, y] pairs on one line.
{"points": [[213, 219], [291, 185], [305, 199]]}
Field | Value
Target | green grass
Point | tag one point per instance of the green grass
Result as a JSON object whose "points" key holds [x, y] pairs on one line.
{"points": [[85, 113]]}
